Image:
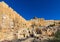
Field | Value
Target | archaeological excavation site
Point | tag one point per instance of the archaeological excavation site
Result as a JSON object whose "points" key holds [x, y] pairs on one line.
{"points": [[15, 28]]}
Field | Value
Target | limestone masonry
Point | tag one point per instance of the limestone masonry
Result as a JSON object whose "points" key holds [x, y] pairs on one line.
{"points": [[14, 26]]}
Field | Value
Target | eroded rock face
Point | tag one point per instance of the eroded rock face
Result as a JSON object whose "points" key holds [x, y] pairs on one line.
{"points": [[23, 33], [14, 26], [10, 22]]}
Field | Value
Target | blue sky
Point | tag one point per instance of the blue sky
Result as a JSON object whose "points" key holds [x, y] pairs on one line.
{"points": [[48, 9]]}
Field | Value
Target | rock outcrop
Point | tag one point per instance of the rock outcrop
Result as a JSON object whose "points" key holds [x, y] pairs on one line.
{"points": [[10, 21], [14, 26]]}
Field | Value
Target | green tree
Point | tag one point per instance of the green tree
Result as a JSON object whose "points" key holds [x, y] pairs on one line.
{"points": [[56, 37]]}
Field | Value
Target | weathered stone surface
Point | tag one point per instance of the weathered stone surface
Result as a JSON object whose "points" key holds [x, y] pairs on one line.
{"points": [[13, 26], [10, 22]]}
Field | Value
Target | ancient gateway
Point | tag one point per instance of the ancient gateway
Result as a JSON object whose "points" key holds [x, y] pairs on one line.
{"points": [[12, 25]]}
